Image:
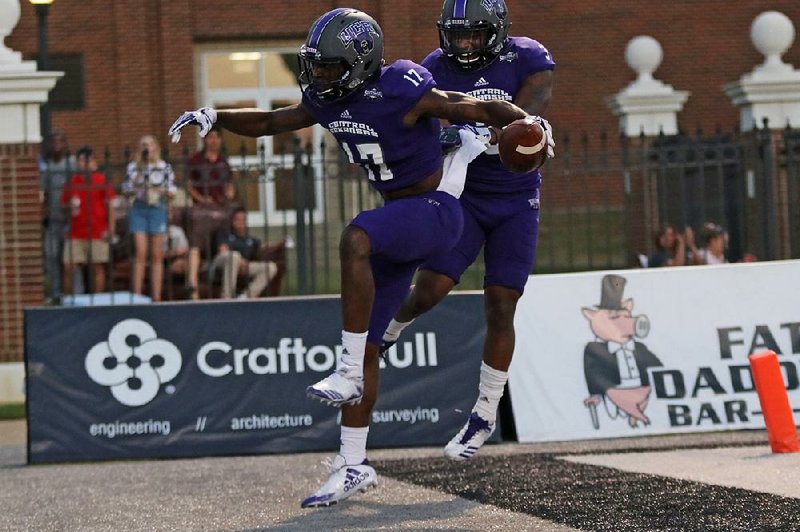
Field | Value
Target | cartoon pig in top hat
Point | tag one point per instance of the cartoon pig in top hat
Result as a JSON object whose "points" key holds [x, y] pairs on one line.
{"points": [[615, 365]]}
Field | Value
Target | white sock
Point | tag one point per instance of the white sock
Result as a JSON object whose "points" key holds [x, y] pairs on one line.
{"points": [[354, 444], [394, 329], [490, 390], [353, 355]]}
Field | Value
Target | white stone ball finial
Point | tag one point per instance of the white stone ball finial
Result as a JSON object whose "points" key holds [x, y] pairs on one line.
{"points": [[9, 16], [772, 34], [644, 54]]}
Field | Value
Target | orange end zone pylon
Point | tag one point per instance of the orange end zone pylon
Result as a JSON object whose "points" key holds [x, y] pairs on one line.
{"points": [[781, 430]]}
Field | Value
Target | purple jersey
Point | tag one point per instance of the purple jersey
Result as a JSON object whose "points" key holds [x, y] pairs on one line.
{"points": [[369, 127], [501, 80]]}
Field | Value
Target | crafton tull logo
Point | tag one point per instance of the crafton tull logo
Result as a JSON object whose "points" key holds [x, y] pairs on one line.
{"points": [[134, 362]]}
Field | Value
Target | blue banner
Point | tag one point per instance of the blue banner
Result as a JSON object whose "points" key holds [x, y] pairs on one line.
{"points": [[229, 378]]}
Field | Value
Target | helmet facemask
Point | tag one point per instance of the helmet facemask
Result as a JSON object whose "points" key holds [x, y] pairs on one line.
{"points": [[328, 79], [473, 32], [471, 47]]}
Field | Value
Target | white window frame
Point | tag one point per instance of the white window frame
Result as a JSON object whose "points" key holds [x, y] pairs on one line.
{"points": [[264, 96]]}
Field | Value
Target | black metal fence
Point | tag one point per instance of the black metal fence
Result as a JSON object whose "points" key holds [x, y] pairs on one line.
{"points": [[602, 199]]}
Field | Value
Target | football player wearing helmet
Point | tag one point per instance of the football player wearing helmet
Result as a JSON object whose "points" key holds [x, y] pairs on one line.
{"points": [[385, 118], [501, 208]]}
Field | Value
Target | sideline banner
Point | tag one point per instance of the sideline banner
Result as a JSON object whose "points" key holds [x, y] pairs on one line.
{"points": [[638, 352], [222, 378]]}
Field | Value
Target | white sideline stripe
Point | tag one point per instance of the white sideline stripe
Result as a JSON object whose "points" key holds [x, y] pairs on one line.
{"points": [[530, 150], [750, 468]]}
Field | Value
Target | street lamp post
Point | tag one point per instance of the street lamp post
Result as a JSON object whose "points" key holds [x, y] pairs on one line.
{"points": [[42, 10]]}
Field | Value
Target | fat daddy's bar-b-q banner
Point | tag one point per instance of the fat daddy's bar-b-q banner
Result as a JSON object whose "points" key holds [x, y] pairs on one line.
{"points": [[178, 380], [638, 352]]}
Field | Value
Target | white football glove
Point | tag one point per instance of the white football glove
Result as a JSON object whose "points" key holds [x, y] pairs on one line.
{"points": [[203, 118], [548, 132]]}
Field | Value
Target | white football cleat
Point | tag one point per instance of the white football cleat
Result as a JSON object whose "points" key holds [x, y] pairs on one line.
{"points": [[342, 387], [344, 481], [469, 439]]}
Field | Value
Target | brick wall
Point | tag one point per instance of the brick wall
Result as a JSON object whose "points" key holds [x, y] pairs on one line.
{"points": [[20, 244], [140, 74]]}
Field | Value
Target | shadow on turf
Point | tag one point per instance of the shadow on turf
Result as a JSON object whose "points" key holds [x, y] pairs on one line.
{"points": [[359, 514]]}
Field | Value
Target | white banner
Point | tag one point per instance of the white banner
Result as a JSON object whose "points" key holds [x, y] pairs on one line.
{"points": [[637, 352]]}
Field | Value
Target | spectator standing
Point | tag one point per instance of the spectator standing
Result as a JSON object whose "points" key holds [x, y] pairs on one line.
{"points": [[55, 167], [87, 198], [238, 254], [211, 188], [151, 182]]}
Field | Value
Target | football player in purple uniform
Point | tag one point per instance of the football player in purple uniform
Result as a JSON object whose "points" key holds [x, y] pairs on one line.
{"points": [[385, 118], [501, 208]]}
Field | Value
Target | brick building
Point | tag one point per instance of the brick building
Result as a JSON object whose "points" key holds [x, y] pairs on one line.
{"points": [[145, 61], [134, 65]]}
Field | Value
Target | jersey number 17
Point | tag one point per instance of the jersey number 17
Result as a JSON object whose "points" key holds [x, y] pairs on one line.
{"points": [[370, 157]]}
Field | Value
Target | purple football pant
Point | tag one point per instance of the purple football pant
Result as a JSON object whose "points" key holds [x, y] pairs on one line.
{"points": [[404, 233], [507, 227]]}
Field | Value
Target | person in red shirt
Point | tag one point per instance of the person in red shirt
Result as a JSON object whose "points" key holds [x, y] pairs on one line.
{"points": [[87, 201]]}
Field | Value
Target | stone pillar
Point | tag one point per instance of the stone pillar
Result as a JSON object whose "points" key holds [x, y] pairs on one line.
{"points": [[646, 108], [22, 91], [770, 95], [646, 105], [772, 90]]}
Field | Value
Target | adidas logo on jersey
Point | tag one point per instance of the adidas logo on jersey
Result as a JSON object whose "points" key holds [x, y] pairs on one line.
{"points": [[481, 82], [346, 114]]}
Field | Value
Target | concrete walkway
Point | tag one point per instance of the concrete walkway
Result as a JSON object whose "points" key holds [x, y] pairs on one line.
{"points": [[264, 492]]}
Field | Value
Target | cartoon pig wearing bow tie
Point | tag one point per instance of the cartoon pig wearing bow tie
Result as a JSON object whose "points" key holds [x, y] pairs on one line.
{"points": [[615, 365]]}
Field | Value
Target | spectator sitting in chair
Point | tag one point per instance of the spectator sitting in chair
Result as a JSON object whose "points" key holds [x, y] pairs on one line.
{"points": [[238, 254], [176, 251]]}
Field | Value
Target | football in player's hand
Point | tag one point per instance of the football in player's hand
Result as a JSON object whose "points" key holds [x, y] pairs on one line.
{"points": [[522, 146]]}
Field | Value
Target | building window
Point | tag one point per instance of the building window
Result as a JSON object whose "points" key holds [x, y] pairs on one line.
{"points": [[265, 78], [68, 94]]}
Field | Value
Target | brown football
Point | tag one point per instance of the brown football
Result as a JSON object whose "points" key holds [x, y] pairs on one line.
{"points": [[522, 146]]}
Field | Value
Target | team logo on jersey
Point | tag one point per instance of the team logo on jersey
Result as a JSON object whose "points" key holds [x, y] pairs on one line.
{"points": [[360, 35], [510, 56], [481, 82], [133, 363], [373, 94]]}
